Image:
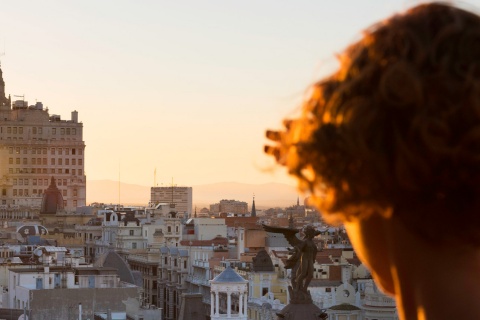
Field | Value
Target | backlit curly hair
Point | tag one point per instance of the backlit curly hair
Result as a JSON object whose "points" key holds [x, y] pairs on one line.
{"points": [[397, 128]]}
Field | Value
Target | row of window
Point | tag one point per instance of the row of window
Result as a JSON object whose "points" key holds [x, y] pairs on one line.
{"points": [[39, 130], [24, 192], [74, 172], [43, 161], [59, 151]]}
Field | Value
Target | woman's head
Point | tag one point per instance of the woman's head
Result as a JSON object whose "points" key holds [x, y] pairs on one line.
{"points": [[397, 127]]}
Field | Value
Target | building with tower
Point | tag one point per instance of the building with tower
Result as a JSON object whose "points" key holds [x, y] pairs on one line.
{"points": [[34, 147]]}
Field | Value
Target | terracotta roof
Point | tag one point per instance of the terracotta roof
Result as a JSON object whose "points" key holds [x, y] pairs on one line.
{"points": [[323, 260], [335, 273], [330, 252], [217, 241], [355, 261], [232, 222]]}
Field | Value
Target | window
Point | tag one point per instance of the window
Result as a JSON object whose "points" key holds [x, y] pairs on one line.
{"points": [[62, 131], [34, 130], [131, 232], [34, 150], [10, 170], [20, 182], [52, 161], [134, 245], [73, 171], [68, 131], [20, 130], [25, 161], [75, 194], [52, 151], [9, 130], [67, 162], [64, 193], [60, 151], [17, 160], [25, 150], [17, 150], [34, 182], [44, 161], [40, 130], [74, 131], [20, 192], [52, 170], [45, 182], [60, 161], [64, 182], [14, 130], [10, 160], [74, 161], [25, 182], [67, 151], [79, 172], [15, 182], [80, 151], [54, 130], [73, 151], [14, 192], [10, 150]]}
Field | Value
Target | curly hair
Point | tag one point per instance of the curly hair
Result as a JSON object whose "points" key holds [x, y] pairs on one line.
{"points": [[397, 128]]}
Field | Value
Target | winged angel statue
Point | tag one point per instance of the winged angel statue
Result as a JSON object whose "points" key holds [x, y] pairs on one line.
{"points": [[301, 260]]}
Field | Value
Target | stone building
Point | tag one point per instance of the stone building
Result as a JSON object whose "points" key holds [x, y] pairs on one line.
{"points": [[34, 146], [179, 198]]}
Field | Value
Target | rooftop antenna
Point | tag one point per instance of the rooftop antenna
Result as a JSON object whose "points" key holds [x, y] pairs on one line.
{"points": [[2, 53], [155, 177], [118, 182]]}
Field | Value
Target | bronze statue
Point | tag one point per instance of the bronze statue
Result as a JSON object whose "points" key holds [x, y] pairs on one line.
{"points": [[301, 260]]}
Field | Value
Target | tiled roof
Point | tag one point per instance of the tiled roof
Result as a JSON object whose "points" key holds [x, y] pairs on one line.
{"points": [[228, 275]]}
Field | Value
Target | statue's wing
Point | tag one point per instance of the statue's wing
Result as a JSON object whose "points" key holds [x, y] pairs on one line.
{"points": [[290, 234]]}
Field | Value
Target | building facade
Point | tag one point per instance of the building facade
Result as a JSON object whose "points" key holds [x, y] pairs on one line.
{"points": [[35, 146], [179, 198]]}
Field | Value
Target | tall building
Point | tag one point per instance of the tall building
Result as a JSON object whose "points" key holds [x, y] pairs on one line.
{"points": [[36, 146], [179, 198]]}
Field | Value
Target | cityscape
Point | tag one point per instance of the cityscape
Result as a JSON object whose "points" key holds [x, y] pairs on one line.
{"points": [[149, 198], [64, 259]]}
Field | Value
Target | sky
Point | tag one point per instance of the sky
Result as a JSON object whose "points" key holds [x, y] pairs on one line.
{"points": [[185, 89]]}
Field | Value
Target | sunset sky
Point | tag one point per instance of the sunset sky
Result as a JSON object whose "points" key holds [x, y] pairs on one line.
{"points": [[186, 87]]}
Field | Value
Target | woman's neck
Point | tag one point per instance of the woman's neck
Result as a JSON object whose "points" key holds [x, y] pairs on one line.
{"points": [[434, 281]]}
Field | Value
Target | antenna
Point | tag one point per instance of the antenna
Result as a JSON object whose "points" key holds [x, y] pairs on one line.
{"points": [[2, 53], [155, 177], [119, 182]]}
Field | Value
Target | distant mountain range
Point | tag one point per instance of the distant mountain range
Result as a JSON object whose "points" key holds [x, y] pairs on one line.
{"points": [[267, 195]]}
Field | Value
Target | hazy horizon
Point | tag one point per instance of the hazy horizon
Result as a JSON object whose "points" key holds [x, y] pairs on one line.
{"points": [[267, 195]]}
